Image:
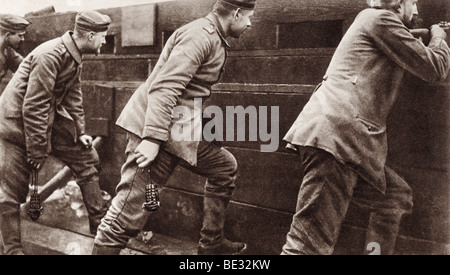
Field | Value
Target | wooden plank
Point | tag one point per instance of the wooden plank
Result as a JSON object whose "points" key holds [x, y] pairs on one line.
{"points": [[418, 126], [39, 239], [268, 14], [279, 70], [98, 103], [283, 108], [269, 180], [430, 219], [115, 70], [352, 239], [53, 241], [259, 69], [138, 25], [265, 230], [181, 217]]}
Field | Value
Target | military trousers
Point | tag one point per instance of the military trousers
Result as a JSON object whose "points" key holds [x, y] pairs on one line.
{"points": [[126, 217], [327, 189], [15, 171], [15, 178]]}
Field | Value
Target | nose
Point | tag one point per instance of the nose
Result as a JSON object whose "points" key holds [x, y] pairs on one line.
{"points": [[415, 10]]}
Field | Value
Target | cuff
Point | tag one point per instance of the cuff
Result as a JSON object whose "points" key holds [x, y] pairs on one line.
{"points": [[154, 133]]}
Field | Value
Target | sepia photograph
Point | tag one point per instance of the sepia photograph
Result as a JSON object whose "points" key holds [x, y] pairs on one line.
{"points": [[257, 128]]}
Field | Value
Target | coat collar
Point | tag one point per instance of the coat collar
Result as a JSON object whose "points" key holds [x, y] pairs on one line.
{"points": [[213, 18], [71, 46]]}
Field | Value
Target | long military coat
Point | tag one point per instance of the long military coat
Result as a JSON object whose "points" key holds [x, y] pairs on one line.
{"points": [[47, 82], [190, 63], [347, 115]]}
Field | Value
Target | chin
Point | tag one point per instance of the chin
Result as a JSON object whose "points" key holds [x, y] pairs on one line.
{"points": [[16, 46], [96, 52], [416, 22], [409, 25], [236, 34]]}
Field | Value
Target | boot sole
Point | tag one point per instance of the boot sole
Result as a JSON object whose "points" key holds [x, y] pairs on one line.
{"points": [[243, 249]]}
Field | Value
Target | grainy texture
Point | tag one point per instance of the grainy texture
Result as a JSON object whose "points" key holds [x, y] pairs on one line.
{"points": [[268, 182]]}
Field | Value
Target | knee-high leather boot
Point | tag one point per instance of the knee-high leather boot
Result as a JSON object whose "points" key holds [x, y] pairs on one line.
{"points": [[105, 250], [382, 232], [212, 241], [10, 229], [95, 204]]}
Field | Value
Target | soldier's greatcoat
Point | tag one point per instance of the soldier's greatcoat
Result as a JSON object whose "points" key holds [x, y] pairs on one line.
{"points": [[191, 62], [347, 114], [47, 82]]}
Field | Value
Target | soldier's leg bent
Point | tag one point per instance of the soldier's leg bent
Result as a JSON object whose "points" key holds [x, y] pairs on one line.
{"points": [[387, 210], [126, 217], [14, 179], [322, 204], [83, 162], [220, 168]]}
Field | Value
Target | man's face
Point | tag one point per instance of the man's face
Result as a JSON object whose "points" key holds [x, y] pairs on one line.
{"points": [[408, 9], [240, 22], [96, 42], [15, 40]]}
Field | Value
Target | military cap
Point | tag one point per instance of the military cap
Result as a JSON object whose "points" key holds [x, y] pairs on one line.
{"points": [[243, 4], [13, 23], [92, 21]]}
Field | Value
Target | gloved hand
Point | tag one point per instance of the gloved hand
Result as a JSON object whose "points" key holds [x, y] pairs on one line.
{"points": [[146, 152], [36, 163], [437, 32]]}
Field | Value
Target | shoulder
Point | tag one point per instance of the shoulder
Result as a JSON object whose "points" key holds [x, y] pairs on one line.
{"points": [[374, 17], [200, 29], [52, 50], [378, 21]]}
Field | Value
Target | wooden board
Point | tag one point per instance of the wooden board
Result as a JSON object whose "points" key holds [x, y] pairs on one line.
{"points": [[138, 25]]}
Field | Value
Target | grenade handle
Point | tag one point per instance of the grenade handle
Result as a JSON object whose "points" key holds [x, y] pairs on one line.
{"points": [[152, 203]]}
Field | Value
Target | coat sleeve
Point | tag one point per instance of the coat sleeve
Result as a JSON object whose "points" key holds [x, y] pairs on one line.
{"points": [[396, 41], [190, 50], [37, 102], [73, 103]]}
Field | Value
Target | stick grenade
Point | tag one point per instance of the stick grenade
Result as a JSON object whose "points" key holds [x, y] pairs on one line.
{"points": [[35, 209]]}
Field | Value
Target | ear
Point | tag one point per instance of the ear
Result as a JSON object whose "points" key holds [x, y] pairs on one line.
{"points": [[91, 35], [236, 13], [399, 6]]}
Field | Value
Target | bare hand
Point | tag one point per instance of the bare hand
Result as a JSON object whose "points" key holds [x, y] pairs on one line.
{"points": [[146, 152], [85, 140], [437, 31]]}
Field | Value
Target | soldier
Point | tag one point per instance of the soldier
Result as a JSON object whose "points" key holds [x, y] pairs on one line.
{"points": [[340, 135], [41, 112], [12, 35], [190, 63]]}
